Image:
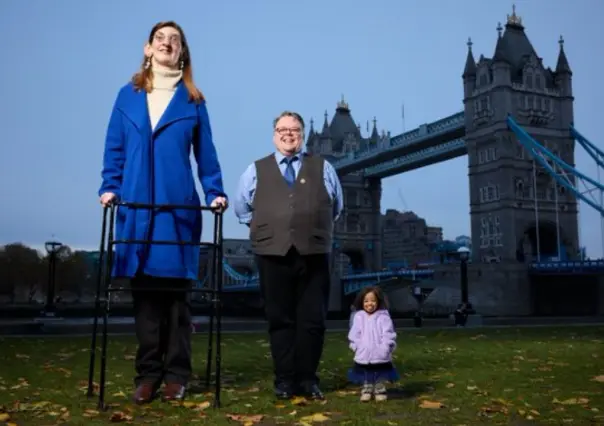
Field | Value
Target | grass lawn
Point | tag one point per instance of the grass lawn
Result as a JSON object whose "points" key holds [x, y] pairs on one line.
{"points": [[454, 377]]}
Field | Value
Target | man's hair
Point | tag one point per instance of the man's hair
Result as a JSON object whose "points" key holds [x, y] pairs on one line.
{"points": [[292, 114]]}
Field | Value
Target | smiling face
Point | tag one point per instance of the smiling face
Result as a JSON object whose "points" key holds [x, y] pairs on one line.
{"points": [[370, 302], [288, 135], [165, 48]]}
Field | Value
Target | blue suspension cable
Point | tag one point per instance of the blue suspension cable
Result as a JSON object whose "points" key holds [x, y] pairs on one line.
{"points": [[591, 149], [538, 152]]}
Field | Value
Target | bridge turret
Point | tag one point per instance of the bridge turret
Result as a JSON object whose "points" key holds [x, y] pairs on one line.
{"points": [[501, 65], [469, 72], [469, 84], [502, 190], [325, 142], [313, 141], [564, 83], [375, 136]]}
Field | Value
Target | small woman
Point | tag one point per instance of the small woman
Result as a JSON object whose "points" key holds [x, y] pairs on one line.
{"points": [[157, 120], [372, 338]]}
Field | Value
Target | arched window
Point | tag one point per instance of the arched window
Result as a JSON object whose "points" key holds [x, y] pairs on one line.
{"points": [[528, 80], [519, 188]]}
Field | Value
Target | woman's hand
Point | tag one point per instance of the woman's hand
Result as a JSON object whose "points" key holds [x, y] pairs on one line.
{"points": [[107, 198], [220, 202]]}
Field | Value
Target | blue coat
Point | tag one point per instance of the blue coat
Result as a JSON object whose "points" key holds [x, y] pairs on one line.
{"points": [[145, 166]]}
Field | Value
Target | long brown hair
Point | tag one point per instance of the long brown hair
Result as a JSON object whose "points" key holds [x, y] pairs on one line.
{"points": [[143, 79], [382, 300]]}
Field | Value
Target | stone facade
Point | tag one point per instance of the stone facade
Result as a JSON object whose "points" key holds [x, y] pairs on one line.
{"points": [[407, 237], [511, 201], [504, 295], [358, 231], [494, 290]]}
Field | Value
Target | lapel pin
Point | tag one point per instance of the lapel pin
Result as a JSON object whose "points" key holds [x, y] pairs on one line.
{"points": [[302, 180]]}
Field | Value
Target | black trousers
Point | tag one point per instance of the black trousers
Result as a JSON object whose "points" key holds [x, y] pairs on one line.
{"points": [[295, 290], [163, 330]]}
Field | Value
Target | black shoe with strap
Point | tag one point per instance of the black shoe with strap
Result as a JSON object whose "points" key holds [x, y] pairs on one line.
{"points": [[311, 390], [284, 390]]}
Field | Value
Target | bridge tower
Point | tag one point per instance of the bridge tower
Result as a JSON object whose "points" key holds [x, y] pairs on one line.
{"points": [[357, 239], [514, 206]]}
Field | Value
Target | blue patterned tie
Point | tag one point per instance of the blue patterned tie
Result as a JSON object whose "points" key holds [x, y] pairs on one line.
{"points": [[290, 175]]}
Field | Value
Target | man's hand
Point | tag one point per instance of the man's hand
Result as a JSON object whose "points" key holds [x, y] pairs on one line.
{"points": [[220, 202], [107, 198]]}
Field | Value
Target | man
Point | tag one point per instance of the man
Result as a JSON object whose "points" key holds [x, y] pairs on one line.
{"points": [[290, 200]]}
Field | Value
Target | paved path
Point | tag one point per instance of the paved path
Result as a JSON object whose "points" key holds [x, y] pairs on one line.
{"points": [[125, 325]]}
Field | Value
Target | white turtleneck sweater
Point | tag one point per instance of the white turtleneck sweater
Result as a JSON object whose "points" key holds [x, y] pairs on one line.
{"points": [[164, 86]]}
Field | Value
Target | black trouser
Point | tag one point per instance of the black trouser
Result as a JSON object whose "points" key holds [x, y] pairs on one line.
{"points": [[163, 329], [295, 290]]}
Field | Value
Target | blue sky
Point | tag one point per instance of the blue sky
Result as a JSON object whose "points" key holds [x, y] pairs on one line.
{"points": [[64, 61]]}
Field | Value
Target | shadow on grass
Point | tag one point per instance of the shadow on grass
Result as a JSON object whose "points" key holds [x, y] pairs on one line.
{"points": [[410, 390]]}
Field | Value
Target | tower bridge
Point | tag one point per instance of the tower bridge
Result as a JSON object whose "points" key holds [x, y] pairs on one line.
{"points": [[516, 129]]}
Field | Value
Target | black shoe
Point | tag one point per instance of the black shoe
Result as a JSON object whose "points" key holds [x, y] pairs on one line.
{"points": [[284, 391], [312, 391]]}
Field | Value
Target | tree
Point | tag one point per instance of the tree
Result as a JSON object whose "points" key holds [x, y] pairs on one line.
{"points": [[74, 272], [21, 270]]}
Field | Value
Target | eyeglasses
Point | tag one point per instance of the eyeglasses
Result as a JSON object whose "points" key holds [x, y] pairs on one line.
{"points": [[283, 130], [173, 39]]}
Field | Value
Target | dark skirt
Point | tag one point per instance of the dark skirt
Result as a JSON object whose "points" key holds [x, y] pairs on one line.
{"points": [[373, 373]]}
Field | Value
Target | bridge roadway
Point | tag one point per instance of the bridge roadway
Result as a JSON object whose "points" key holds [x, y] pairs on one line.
{"points": [[418, 159], [125, 325], [422, 139]]}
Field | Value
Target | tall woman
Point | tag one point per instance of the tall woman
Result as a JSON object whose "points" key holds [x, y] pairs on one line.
{"points": [[157, 120]]}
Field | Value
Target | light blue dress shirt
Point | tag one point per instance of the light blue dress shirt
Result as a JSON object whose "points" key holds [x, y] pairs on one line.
{"points": [[246, 190]]}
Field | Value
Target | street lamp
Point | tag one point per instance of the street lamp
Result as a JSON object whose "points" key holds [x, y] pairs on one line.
{"points": [[464, 255], [52, 247]]}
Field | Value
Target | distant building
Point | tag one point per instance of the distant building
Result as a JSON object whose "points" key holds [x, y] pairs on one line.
{"points": [[464, 241], [406, 237], [238, 253], [435, 234]]}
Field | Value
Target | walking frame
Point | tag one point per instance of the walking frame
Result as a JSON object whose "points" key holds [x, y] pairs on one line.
{"points": [[103, 300]]}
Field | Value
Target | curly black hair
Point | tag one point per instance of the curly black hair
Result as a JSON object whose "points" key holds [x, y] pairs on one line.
{"points": [[382, 301]]}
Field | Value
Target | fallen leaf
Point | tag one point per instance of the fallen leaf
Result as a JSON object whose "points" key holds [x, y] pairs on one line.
{"points": [[314, 418], [599, 378], [120, 416], [571, 401], [247, 420], [4, 417], [197, 406], [346, 392], [90, 413], [431, 404], [65, 371], [496, 408], [299, 401]]}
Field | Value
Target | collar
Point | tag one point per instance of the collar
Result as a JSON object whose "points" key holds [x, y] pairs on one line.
{"points": [[280, 157]]}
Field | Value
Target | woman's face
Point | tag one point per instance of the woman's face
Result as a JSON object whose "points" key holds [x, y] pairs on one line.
{"points": [[166, 47], [370, 303]]}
